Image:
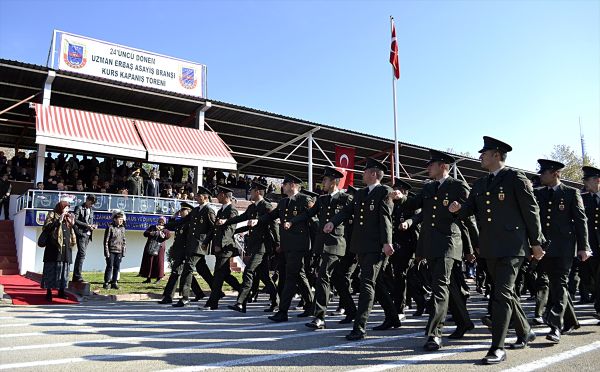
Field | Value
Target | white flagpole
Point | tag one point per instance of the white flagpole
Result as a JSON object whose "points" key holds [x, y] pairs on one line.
{"points": [[396, 152]]}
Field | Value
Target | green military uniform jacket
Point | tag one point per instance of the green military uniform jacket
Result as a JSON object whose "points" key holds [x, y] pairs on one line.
{"points": [[296, 238], [441, 231], [371, 213], [261, 238], [592, 211], [405, 241], [196, 225], [325, 208], [564, 223], [221, 236], [507, 214]]}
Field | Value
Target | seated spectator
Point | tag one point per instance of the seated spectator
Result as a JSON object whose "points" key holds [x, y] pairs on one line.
{"points": [[39, 186], [60, 186], [23, 176]]}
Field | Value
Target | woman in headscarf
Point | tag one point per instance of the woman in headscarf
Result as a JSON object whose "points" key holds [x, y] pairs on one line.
{"points": [[58, 251], [153, 258]]}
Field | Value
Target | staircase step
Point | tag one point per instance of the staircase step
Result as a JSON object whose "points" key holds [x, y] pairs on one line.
{"points": [[8, 265], [9, 272], [14, 259], [7, 243]]}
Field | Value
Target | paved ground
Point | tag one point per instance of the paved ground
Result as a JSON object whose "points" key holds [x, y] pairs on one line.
{"points": [[141, 336]]}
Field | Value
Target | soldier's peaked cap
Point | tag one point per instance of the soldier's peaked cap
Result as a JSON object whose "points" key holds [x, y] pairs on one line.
{"points": [[400, 184], [435, 155], [204, 191], [589, 172], [490, 143], [332, 172], [291, 178], [309, 193], [224, 189], [547, 164], [186, 205], [258, 186], [372, 163]]}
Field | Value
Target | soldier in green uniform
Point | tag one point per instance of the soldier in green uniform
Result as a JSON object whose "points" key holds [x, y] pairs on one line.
{"points": [[313, 256], [371, 210], [295, 244], [178, 253], [509, 228], [332, 246], [591, 201], [564, 225], [223, 244], [259, 241], [196, 224], [442, 244]]}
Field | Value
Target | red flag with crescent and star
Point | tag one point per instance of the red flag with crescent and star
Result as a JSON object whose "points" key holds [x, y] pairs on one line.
{"points": [[344, 162]]}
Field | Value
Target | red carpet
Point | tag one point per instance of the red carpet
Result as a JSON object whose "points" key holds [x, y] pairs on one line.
{"points": [[24, 291]]}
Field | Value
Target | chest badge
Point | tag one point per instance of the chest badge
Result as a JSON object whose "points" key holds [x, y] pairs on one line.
{"points": [[445, 202], [561, 206], [371, 207], [501, 195]]}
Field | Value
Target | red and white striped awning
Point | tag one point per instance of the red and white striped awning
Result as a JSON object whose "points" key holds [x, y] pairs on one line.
{"points": [[87, 131], [172, 144]]}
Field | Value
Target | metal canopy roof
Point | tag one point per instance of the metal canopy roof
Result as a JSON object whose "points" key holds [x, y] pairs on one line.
{"points": [[248, 132]]}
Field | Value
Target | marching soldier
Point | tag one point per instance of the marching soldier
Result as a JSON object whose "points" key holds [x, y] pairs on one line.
{"points": [[441, 244], [223, 244], [259, 242], [371, 210], [313, 256], [197, 225], [506, 209], [591, 202], [564, 226], [178, 254], [332, 246], [295, 244], [405, 237]]}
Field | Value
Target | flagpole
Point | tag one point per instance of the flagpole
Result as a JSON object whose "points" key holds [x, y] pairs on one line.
{"points": [[396, 152]]}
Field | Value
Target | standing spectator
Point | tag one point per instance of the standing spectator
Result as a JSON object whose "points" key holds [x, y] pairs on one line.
{"points": [[84, 227], [3, 158], [152, 186], [231, 181], [5, 188], [58, 250], [168, 192], [153, 258], [114, 249], [135, 183]]}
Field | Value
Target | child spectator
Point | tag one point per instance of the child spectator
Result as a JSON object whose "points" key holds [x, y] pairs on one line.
{"points": [[114, 249]]}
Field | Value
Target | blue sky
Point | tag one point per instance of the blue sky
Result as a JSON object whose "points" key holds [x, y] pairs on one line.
{"points": [[521, 71]]}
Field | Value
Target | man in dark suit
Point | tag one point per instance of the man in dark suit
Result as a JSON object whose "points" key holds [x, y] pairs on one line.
{"points": [[196, 225], [441, 244], [152, 188], [260, 241], [295, 243], [565, 227], [508, 216], [371, 211], [332, 246], [224, 247], [591, 200], [84, 227], [5, 188]]}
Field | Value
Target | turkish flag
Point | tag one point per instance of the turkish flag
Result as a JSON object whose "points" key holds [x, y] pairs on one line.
{"points": [[344, 158], [394, 59]]}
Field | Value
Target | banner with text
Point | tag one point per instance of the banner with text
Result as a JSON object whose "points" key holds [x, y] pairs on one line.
{"points": [[128, 65]]}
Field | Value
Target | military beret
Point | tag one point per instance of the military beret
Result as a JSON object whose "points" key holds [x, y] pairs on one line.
{"points": [[224, 189], [351, 189], [435, 155], [309, 193], [332, 173], [290, 178], [204, 191], [400, 184], [589, 172], [546, 164], [186, 205], [372, 163], [258, 186], [490, 143]]}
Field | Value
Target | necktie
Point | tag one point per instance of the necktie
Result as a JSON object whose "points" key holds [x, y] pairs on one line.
{"points": [[550, 193], [436, 186]]}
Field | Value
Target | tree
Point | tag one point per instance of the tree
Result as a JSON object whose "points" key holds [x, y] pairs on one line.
{"points": [[572, 162]]}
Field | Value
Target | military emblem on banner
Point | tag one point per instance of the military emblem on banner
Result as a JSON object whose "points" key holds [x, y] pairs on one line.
{"points": [[75, 55], [40, 217], [187, 78]]}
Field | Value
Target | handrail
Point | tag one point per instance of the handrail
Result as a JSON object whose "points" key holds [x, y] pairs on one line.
{"points": [[47, 199]]}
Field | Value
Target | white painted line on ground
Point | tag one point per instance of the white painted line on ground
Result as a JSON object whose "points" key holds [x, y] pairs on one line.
{"points": [[104, 357], [545, 362]]}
